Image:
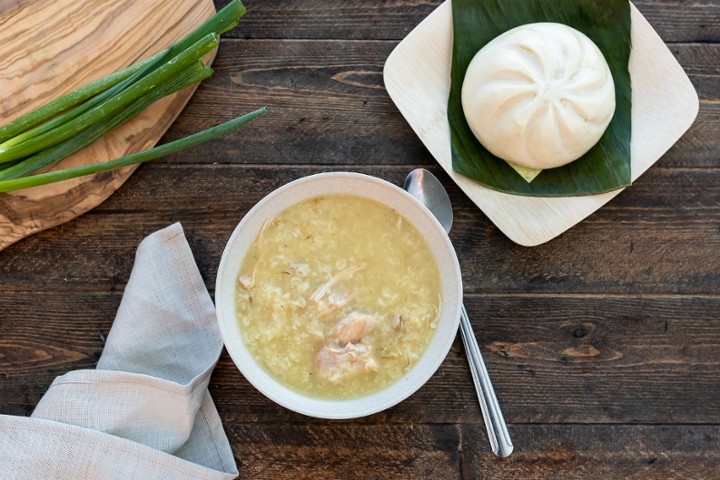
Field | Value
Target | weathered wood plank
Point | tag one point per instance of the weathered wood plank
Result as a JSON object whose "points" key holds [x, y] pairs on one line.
{"points": [[596, 452], [675, 21], [700, 60], [625, 355], [561, 360], [444, 451], [44, 335], [683, 21], [327, 101], [344, 450], [699, 147], [567, 359], [276, 451], [328, 105], [633, 244], [661, 235]]}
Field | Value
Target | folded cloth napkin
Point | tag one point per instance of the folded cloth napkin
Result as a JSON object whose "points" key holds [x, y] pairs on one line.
{"points": [[145, 412]]}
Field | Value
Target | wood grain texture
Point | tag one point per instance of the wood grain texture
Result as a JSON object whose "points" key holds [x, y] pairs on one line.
{"points": [[450, 452], [327, 100], [659, 237], [554, 358], [675, 21], [598, 452], [50, 47], [602, 344]]}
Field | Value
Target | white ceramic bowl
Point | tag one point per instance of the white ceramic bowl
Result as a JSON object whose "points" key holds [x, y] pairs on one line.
{"points": [[337, 183]]}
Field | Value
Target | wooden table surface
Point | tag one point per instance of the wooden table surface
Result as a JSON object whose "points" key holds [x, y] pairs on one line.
{"points": [[603, 344]]}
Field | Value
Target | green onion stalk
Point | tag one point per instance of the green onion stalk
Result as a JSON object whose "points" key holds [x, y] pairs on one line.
{"points": [[196, 73], [109, 107], [135, 158]]}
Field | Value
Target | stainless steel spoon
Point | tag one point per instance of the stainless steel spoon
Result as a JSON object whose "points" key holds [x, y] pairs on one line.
{"points": [[424, 186]]}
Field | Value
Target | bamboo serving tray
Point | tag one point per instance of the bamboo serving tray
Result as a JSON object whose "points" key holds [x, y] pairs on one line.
{"points": [[50, 47], [665, 104]]}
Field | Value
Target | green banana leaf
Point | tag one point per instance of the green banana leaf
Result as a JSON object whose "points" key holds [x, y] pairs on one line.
{"points": [[606, 166]]}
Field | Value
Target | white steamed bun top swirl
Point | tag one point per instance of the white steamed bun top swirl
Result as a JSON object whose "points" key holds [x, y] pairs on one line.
{"points": [[539, 95]]}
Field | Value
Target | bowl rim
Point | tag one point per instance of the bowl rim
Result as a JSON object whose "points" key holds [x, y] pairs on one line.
{"points": [[325, 184]]}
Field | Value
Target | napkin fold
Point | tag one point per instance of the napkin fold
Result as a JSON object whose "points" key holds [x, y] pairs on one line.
{"points": [[145, 411]]}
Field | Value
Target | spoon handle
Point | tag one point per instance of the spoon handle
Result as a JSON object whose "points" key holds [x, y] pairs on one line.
{"points": [[493, 417]]}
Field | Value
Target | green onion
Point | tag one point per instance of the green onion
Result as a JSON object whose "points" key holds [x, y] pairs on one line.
{"points": [[112, 105], [92, 102], [67, 101], [135, 158], [196, 73]]}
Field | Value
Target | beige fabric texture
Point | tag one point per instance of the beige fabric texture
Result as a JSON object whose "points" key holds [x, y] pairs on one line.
{"points": [[145, 411]]}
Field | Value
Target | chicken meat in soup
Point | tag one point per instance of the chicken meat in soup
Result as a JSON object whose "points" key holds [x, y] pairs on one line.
{"points": [[338, 296]]}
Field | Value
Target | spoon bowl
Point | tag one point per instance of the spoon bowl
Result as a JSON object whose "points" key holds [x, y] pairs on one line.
{"points": [[424, 186]]}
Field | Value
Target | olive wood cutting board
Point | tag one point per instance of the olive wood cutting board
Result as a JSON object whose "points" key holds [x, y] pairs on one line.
{"points": [[51, 47]]}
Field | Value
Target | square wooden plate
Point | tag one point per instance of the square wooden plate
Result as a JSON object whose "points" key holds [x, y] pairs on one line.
{"points": [[665, 104]]}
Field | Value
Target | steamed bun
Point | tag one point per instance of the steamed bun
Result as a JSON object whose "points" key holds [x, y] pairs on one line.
{"points": [[539, 95]]}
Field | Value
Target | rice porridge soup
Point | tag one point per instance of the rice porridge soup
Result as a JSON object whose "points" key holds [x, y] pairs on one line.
{"points": [[338, 296]]}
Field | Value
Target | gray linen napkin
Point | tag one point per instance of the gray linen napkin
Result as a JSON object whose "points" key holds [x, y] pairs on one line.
{"points": [[145, 412]]}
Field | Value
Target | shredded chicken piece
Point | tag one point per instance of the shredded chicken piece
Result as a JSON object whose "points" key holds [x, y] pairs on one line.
{"points": [[247, 281], [437, 308], [370, 366], [387, 353], [354, 327], [332, 304], [335, 364], [323, 289], [261, 234]]}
